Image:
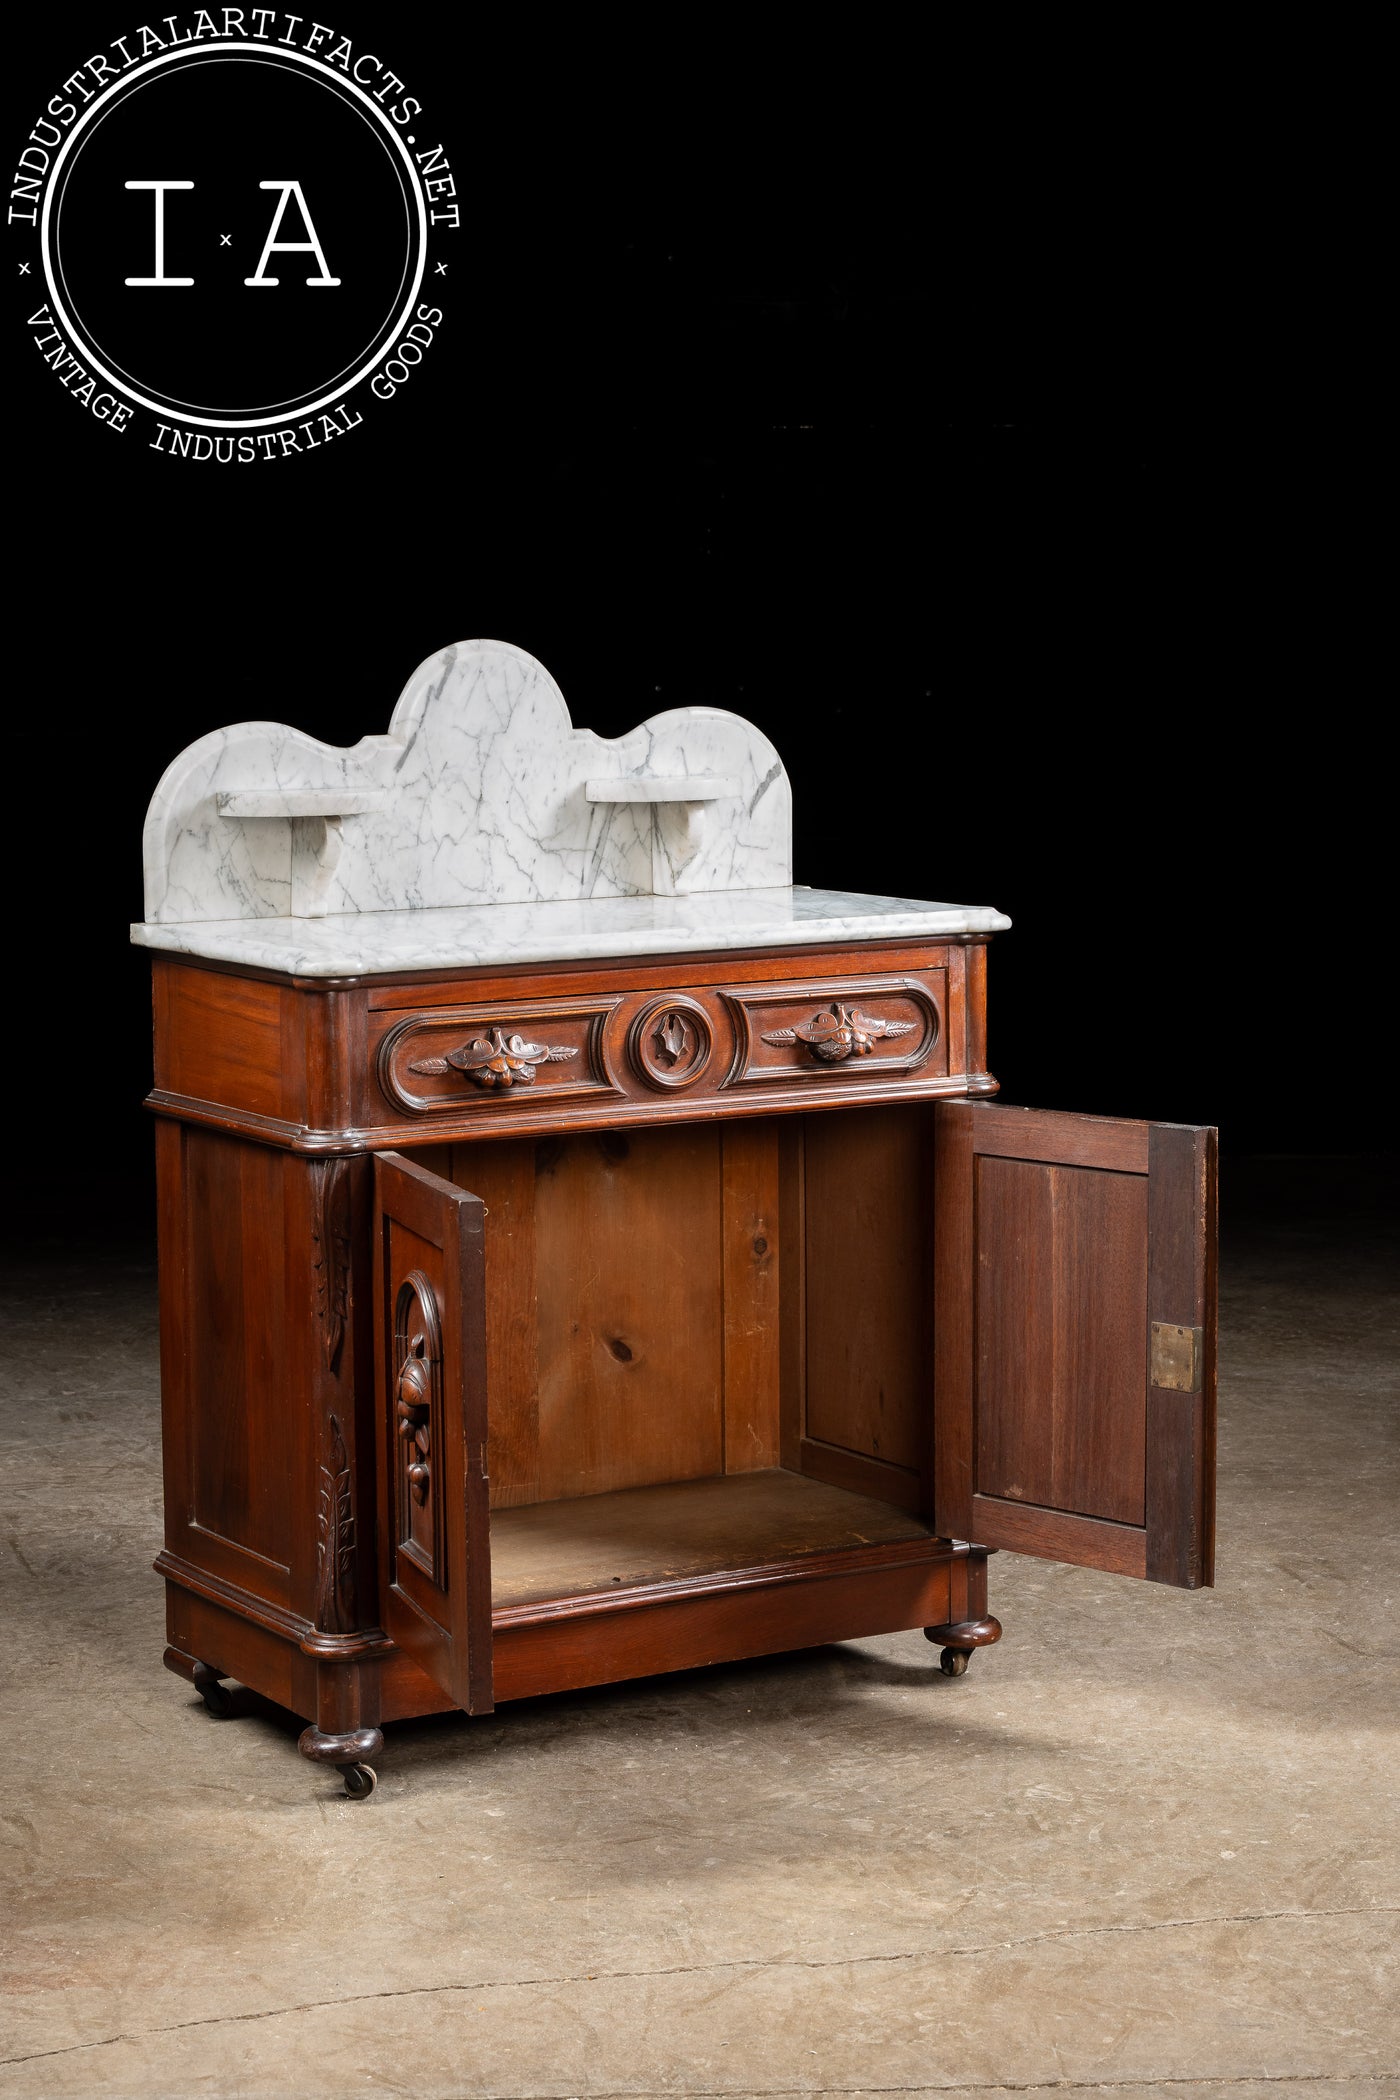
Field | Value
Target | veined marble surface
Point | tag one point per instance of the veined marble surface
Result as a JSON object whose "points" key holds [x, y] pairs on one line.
{"points": [[481, 793], [385, 943]]}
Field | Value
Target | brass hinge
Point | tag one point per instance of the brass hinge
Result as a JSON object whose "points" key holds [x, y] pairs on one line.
{"points": [[1176, 1357]]}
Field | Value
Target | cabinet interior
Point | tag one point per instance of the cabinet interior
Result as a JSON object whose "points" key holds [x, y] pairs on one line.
{"points": [[708, 1346]]}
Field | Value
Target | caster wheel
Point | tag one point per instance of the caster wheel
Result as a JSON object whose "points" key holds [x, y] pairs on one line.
{"points": [[360, 1781], [953, 1662], [218, 1699]]}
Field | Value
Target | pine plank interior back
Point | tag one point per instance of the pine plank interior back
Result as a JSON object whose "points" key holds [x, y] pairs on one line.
{"points": [[632, 1316], [606, 1337], [630, 1309]]}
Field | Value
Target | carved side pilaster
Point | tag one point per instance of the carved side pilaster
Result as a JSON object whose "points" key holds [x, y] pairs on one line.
{"points": [[335, 1538], [330, 1234]]}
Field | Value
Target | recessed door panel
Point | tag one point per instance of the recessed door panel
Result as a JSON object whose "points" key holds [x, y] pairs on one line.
{"points": [[1075, 1338]]}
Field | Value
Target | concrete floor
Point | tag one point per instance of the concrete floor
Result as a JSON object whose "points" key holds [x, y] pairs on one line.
{"points": [[1147, 1845]]}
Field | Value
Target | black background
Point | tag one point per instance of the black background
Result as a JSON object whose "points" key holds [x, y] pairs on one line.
{"points": [[813, 383]]}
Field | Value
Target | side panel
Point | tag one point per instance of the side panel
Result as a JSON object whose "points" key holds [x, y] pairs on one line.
{"points": [[231, 1361], [863, 1238], [430, 1381], [1075, 1339]]}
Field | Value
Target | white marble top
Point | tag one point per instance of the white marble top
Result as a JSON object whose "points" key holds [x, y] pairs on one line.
{"points": [[360, 944]]}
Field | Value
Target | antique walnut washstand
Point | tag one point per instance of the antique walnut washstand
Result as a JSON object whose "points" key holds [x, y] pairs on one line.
{"points": [[584, 1254]]}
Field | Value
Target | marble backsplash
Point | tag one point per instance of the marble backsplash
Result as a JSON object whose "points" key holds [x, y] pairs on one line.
{"points": [[482, 792]]}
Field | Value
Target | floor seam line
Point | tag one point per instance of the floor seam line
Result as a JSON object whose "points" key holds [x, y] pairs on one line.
{"points": [[851, 1961]]}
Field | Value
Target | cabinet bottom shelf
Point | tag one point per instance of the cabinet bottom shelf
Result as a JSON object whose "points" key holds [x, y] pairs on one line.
{"points": [[707, 1571], [609, 1547]]}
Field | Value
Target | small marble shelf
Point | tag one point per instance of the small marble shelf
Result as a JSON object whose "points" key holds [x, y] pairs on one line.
{"points": [[661, 787], [300, 802]]}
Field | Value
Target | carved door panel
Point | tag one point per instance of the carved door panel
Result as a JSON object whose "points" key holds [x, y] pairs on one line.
{"points": [[430, 1377], [1074, 1350]]}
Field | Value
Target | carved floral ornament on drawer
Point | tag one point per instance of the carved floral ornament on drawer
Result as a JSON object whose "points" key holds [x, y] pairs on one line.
{"points": [[671, 1040], [497, 1059], [839, 1032]]}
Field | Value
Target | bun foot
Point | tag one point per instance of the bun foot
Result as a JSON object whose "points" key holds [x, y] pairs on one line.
{"points": [[347, 1753], [217, 1700], [205, 1679], [960, 1640]]}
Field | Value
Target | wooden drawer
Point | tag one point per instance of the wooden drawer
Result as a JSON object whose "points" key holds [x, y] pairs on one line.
{"points": [[655, 1046], [324, 1067], [537, 1049], [849, 1029]]}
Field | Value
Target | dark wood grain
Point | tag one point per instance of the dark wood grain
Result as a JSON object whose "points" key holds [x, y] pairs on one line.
{"points": [[1104, 1142], [435, 1580], [901, 1486], [237, 1346], [1180, 1469], [866, 1232], [1061, 1314], [751, 1252], [503, 1176], [1049, 1234], [792, 1291], [329, 1067], [1053, 1534], [646, 975], [954, 1411], [721, 1625], [737, 1330], [226, 1038]]}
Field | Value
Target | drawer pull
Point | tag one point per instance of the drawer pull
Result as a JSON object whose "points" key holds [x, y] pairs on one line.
{"points": [[497, 1059], [839, 1032]]}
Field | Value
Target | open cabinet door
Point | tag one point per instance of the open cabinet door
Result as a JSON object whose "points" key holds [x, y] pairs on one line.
{"points": [[1074, 1349], [430, 1383]]}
